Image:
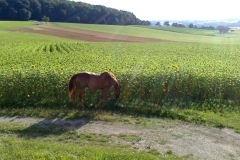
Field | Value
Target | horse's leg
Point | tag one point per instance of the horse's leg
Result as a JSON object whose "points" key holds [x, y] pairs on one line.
{"points": [[81, 92], [104, 93], [73, 97], [101, 99]]}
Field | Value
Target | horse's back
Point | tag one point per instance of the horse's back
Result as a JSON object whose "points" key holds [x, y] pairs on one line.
{"points": [[100, 81], [82, 79], [95, 81]]}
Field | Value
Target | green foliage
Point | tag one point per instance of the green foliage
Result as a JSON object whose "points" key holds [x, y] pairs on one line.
{"points": [[163, 74], [45, 19], [66, 11], [223, 29]]}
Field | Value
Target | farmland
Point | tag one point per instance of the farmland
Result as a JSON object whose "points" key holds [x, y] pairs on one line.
{"points": [[165, 74], [166, 33], [196, 78]]}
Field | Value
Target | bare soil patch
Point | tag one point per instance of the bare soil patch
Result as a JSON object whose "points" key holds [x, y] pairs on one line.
{"points": [[84, 35], [164, 135]]}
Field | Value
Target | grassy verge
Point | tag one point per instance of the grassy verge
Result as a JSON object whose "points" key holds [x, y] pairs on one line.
{"points": [[16, 148], [220, 120], [23, 142]]}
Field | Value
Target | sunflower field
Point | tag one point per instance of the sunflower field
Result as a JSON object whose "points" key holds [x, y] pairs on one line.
{"points": [[152, 75]]}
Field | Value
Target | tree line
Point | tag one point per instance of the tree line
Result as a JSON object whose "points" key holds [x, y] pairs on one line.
{"points": [[66, 11], [221, 29]]}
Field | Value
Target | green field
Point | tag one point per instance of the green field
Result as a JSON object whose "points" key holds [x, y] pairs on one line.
{"points": [[7, 25], [173, 74], [35, 70], [191, 31], [196, 82], [174, 34]]}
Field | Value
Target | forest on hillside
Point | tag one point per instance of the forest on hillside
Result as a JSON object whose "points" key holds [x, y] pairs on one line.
{"points": [[66, 11]]}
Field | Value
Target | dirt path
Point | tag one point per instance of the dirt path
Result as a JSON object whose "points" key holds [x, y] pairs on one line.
{"points": [[84, 35], [164, 135]]}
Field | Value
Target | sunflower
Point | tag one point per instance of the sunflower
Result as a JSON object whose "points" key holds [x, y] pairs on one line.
{"points": [[175, 67]]}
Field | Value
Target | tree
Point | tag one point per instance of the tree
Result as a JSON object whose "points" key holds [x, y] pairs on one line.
{"points": [[158, 24], [35, 9], [181, 25], [12, 14], [175, 24], [223, 29], [45, 19], [3, 9], [24, 14], [190, 25], [166, 23], [66, 11]]}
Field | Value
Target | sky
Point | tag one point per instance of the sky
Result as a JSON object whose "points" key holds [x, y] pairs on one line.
{"points": [[175, 9]]}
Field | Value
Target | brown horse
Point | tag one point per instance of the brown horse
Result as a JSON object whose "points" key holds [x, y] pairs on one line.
{"points": [[93, 81]]}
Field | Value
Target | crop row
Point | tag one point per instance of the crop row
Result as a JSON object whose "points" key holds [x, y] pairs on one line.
{"points": [[169, 74]]}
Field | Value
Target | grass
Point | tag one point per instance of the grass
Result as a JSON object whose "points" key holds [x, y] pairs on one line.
{"points": [[15, 148], [181, 35], [130, 138], [6, 25], [27, 142], [190, 31]]}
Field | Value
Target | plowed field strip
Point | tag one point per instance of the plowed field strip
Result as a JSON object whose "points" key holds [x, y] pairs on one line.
{"points": [[84, 35]]}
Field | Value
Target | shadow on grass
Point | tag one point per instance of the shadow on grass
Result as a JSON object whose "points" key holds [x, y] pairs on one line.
{"points": [[48, 127]]}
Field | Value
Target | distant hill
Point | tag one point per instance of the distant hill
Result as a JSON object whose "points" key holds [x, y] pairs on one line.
{"points": [[65, 11]]}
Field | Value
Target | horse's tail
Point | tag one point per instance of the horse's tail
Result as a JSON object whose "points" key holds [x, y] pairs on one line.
{"points": [[71, 87]]}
